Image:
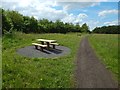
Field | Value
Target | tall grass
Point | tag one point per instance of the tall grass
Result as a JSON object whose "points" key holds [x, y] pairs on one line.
{"points": [[24, 72], [106, 47]]}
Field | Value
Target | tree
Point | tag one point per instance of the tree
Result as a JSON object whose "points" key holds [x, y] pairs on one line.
{"points": [[30, 25], [13, 20], [85, 28], [107, 29], [77, 28], [45, 23], [7, 24], [26, 28], [33, 25], [60, 27], [17, 19]]}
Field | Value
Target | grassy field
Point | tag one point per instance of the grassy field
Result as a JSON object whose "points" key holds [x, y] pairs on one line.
{"points": [[0, 53], [0, 62], [106, 47], [19, 71]]}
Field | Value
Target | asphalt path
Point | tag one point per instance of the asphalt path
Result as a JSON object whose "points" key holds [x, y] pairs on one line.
{"points": [[31, 52], [90, 71]]}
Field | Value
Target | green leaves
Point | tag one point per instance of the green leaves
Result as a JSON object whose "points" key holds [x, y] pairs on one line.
{"points": [[13, 20], [107, 29], [30, 25], [85, 28]]}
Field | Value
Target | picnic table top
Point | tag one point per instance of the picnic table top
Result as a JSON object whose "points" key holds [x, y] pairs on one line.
{"points": [[45, 40]]}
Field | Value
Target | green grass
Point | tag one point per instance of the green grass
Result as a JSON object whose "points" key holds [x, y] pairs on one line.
{"points": [[0, 62], [0, 53], [106, 47], [23, 72]]}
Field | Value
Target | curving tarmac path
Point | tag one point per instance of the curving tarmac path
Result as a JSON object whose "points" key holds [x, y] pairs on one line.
{"points": [[90, 72]]}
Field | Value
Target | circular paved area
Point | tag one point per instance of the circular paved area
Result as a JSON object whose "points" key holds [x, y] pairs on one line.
{"points": [[30, 51]]}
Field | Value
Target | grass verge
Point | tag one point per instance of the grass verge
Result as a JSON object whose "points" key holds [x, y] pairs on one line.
{"points": [[24, 72], [106, 47]]}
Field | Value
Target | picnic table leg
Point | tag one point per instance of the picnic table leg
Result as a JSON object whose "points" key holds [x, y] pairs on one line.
{"points": [[53, 46], [48, 45], [42, 42], [36, 46], [41, 48]]}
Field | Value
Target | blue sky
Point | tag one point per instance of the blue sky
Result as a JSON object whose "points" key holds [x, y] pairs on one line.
{"points": [[95, 14]]}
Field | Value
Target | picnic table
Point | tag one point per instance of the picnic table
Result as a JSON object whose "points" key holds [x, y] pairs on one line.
{"points": [[48, 42]]}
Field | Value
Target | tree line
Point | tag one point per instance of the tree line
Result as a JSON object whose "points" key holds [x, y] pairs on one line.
{"points": [[14, 21], [114, 29]]}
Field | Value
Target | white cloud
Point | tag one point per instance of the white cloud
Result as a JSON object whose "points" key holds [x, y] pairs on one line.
{"points": [[80, 18], [82, 15], [92, 24], [36, 8], [27, 3], [70, 18], [85, 0], [44, 9], [106, 12], [21, 3], [88, 0], [111, 23], [76, 5]]}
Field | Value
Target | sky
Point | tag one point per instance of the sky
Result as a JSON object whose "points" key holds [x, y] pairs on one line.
{"points": [[95, 13]]}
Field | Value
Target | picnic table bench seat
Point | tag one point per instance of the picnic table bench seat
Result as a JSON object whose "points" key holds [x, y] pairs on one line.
{"points": [[54, 44], [40, 45]]}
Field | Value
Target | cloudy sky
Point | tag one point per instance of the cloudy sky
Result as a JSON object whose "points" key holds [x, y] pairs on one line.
{"points": [[95, 13]]}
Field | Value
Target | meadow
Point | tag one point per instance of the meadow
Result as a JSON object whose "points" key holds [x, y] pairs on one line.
{"points": [[0, 62], [24, 72], [106, 48]]}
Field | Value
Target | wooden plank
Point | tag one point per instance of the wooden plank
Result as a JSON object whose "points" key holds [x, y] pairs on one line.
{"points": [[54, 44], [45, 40], [39, 45]]}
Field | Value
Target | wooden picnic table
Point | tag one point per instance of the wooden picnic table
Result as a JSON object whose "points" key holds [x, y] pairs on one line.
{"points": [[47, 41]]}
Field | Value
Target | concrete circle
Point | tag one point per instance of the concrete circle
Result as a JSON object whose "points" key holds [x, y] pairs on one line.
{"points": [[31, 52]]}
